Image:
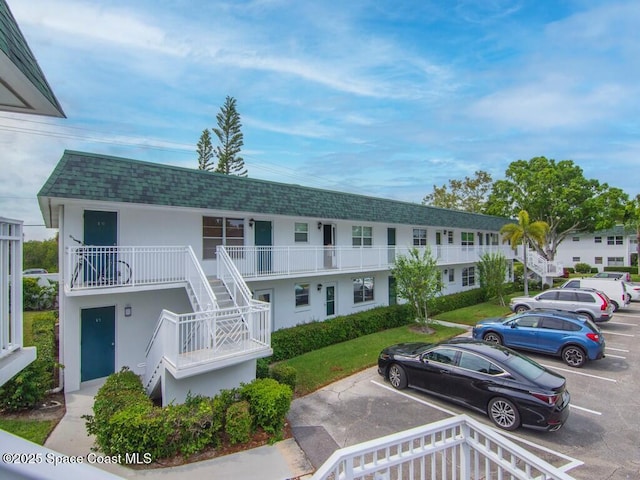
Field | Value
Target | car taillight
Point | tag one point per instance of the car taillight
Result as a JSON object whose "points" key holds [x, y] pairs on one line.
{"points": [[593, 336], [605, 304], [548, 399]]}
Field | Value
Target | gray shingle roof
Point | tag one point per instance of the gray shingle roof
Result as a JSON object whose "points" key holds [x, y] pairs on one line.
{"points": [[14, 46], [88, 176]]}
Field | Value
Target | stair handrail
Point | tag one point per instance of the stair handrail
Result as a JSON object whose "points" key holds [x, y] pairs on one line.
{"points": [[199, 282], [156, 349], [227, 270]]}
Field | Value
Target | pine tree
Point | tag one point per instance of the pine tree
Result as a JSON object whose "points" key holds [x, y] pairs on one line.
{"points": [[205, 151], [230, 136]]}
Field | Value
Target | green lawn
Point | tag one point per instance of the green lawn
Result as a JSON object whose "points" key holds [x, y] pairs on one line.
{"points": [[36, 431], [321, 367], [471, 315]]}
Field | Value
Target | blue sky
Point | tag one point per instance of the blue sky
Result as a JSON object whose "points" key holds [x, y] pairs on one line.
{"points": [[379, 98]]}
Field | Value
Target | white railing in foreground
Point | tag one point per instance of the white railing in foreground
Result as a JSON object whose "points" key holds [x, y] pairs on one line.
{"points": [[192, 339], [455, 448], [10, 286], [255, 261]]}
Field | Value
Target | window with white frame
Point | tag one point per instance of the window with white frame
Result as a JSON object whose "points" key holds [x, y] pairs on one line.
{"points": [[597, 239], [468, 276], [598, 260], [419, 237], [221, 231], [452, 274], [302, 294], [450, 237], [575, 259], [615, 240], [361, 236], [467, 239], [363, 289], [615, 261], [495, 238], [301, 232], [575, 239]]}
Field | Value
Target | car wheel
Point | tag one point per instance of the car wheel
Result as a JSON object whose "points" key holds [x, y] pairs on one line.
{"points": [[521, 308], [615, 306], [397, 376], [504, 413], [492, 337], [574, 356]]}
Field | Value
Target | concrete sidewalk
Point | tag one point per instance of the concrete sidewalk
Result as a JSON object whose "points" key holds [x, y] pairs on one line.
{"points": [[284, 460]]}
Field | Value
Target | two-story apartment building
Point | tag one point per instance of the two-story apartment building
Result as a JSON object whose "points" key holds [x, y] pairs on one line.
{"points": [[185, 273], [615, 247]]}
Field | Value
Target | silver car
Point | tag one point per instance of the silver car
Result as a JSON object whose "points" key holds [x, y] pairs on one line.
{"points": [[587, 301]]}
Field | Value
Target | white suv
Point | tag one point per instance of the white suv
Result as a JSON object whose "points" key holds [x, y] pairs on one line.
{"points": [[586, 301]]}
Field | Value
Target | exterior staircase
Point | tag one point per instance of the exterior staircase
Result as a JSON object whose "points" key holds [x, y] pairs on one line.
{"points": [[539, 265]]}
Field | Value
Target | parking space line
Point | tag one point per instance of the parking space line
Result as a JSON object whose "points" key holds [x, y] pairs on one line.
{"points": [[622, 323], [611, 355], [607, 333], [571, 462], [585, 409], [553, 367], [617, 349], [419, 400]]}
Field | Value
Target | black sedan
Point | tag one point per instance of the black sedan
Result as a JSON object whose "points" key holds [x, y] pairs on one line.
{"points": [[509, 387]]}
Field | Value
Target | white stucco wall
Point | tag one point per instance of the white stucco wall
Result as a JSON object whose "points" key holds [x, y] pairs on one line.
{"points": [[207, 384], [132, 334]]}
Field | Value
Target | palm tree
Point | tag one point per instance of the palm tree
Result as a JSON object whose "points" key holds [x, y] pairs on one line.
{"points": [[524, 232]]}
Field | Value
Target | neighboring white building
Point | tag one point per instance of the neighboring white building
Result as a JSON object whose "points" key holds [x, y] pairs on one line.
{"points": [[615, 247], [165, 234], [24, 89]]}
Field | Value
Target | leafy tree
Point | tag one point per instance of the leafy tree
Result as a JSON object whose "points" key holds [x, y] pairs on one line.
{"points": [[492, 270], [469, 195], [205, 151], [524, 232], [418, 280], [558, 194], [231, 140], [41, 254], [632, 219]]}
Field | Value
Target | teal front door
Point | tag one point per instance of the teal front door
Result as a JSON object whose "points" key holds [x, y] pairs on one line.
{"points": [[263, 243], [97, 342], [100, 228]]}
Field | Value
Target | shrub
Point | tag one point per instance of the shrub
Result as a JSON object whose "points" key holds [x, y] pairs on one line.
{"points": [[582, 268], [36, 297], [262, 367], [239, 422], [30, 386], [291, 342], [120, 391], [269, 403], [285, 374]]}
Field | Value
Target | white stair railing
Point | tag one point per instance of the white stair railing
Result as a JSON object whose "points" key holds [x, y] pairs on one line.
{"points": [[457, 447]]}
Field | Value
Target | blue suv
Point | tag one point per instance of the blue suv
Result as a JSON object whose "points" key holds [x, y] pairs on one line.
{"points": [[573, 337]]}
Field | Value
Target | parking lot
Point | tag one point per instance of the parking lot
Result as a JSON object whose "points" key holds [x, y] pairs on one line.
{"points": [[600, 440]]}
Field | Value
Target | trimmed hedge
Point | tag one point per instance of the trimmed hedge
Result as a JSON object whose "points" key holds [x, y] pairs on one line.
{"points": [[30, 386], [125, 420], [292, 342]]}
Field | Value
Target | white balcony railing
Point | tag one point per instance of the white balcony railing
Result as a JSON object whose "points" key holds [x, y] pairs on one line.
{"points": [[455, 448], [91, 267], [185, 341], [253, 262]]}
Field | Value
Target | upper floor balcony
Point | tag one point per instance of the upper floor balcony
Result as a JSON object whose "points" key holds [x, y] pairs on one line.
{"points": [[255, 263]]}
